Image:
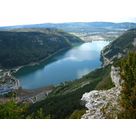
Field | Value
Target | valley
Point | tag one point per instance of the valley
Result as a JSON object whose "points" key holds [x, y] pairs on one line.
{"points": [[56, 68]]}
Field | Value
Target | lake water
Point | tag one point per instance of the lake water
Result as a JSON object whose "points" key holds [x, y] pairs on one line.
{"points": [[66, 66]]}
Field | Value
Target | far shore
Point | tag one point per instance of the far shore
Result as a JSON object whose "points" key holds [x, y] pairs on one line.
{"points": [[45, 59], [16, 69]]}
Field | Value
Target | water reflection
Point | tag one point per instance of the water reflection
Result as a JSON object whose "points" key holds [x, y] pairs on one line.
{"points": [[85, 52]]}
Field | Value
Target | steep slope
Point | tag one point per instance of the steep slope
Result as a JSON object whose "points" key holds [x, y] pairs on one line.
{"points": [[27, 46], [119, 47]]}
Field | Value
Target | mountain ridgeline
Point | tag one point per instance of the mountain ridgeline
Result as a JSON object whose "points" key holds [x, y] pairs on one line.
{"points": [[25, 46], [80, 26]]}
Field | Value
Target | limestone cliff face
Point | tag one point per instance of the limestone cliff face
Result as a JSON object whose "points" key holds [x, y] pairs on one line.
{"points": [[104, 103]]}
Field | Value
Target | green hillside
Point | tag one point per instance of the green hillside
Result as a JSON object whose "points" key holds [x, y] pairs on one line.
{"points": [[27, 46]]}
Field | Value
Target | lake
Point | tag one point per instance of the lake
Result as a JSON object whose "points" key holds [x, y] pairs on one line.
{"points": [[66, 66]]}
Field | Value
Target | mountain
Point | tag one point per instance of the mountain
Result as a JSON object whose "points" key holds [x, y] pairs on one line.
{"points": [[25, 46], [80, 26], [119, 47]]}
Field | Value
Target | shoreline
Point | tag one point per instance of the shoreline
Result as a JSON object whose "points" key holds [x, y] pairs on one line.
{"points": [[46, 58], [16, 69], [31, 91]]}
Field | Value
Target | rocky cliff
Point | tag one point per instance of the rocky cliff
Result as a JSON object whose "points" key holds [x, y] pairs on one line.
{"points": [[104, 103]]}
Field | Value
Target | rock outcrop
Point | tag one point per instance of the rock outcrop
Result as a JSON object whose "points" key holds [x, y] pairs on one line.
{"points": [[104, 103]]}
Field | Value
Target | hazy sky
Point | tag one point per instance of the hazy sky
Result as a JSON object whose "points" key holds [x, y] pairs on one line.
{"points": [[16, 12]]}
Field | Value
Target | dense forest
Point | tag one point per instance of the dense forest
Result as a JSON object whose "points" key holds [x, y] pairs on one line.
{"points": [[23, 47], [128, 94]]}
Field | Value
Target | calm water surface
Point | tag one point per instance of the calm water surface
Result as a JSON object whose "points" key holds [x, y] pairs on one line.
{"points": [[69, 65]]}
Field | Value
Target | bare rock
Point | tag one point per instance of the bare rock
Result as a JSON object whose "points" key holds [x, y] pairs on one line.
{"points": [[104, 103]]}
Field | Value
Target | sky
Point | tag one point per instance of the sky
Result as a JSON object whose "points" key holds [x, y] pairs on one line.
{"points": [[19, 12]]}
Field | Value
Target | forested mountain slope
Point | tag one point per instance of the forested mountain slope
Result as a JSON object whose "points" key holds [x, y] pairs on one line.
{"points": [[27, 46]]}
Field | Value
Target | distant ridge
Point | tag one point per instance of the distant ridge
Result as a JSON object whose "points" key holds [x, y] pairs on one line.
{"points": [[78, 26]]}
